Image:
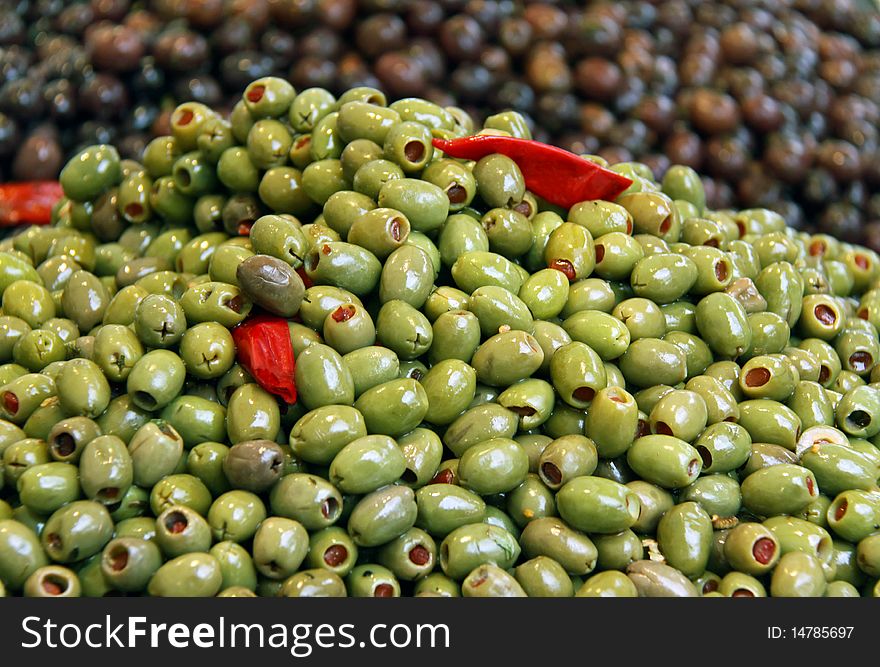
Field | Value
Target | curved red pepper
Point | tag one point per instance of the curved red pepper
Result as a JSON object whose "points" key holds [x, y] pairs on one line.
{"points": [[264, 349], [28, 203], [560, 177]]}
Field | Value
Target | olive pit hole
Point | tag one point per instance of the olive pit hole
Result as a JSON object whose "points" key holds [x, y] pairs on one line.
{"points": [[118, 559], [600, 253], [840, 510], [706, 455], [145, 400], [445, 476], [710, 586], [666, 224], [235, 303], [859, 418], [335, 555], [312, 261], [183, 177], [395, 229], [551, 473], [10, 402], [824, 374], [456, 194], [54, 584], [134, 210], [860, 361], [564, 266], [524, 207], [330, 508], [763, 550], [757, 377], [742, 593], [419, 555], [584, 394], [255, 94], [825, 314], [176, 522], [523, 410], [64, 445], [662, 428], [185, 117], [414, 151], [721, 271], [383, 591], [110, 493]]}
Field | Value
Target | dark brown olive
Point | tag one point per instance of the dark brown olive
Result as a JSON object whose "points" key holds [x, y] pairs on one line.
{"points": [[117, 48], [461, 37], [181, 50], [271, 284], [39, 158], [424, 16], [313, 72], [254, 465], [103, 96], [712, 112], [401, 74], [337, 14], [380, 33], [598, 79]]}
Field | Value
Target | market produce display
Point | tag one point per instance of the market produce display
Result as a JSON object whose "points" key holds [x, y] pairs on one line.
{"points": [[775, 103], [306, 352]]}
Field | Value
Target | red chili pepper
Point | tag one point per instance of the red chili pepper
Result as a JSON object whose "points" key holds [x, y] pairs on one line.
{"points": [[28, 203], [560, 177], [265, 351]]}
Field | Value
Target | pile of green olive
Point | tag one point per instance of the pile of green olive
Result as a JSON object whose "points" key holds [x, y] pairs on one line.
{"points": [[496, 397]]}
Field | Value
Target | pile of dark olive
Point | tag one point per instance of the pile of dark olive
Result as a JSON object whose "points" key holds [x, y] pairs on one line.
{"points": [[775, 102], [496, 397]]}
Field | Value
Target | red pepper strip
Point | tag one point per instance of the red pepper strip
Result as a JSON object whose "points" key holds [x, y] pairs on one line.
{"points": [[28, 203], [560, 177], [264, 349]]}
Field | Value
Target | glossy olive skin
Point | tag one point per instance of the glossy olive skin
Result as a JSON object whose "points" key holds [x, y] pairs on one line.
{"points": [[382, 515], [475, 544], [22, 553], [684, 535], [594, 504], [658, 580], [190, 575]]}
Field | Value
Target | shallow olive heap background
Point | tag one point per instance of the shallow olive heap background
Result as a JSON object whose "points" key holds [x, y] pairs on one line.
{"points": [[775, 101], [496, 397]]}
